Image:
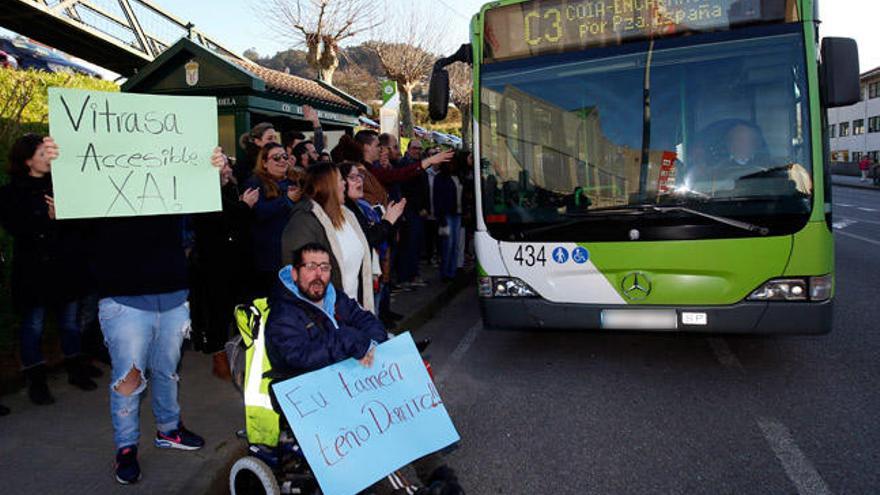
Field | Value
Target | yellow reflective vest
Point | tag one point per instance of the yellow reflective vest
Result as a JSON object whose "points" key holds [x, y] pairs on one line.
{"points": [[261, 421]]}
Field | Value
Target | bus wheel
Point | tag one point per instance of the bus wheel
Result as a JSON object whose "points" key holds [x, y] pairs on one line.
{"points": [[251, 476]]}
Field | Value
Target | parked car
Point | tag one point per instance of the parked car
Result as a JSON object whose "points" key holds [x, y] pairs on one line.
{"points": [[421, 132], [33, 56], [445, 139], [7, 61]]}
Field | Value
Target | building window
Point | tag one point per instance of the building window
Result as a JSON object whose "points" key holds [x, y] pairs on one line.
{"points": [[874, 156], [858, 127], [857, 156], [874, 124], [874, 90], [844, 129], [832, 130]]}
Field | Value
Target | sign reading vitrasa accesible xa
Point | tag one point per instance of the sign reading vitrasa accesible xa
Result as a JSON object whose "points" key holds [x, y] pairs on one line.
{"points": [[124, 154]]}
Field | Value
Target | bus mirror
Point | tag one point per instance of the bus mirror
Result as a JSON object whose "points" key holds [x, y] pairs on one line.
{"points": [[438, 95], [840, 72]]}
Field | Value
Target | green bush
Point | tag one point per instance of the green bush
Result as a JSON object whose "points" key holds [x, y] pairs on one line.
{"points": [[24, 102]]}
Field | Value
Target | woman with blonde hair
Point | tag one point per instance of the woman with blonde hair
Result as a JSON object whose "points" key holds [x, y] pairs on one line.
{"points": [[323, 218]]}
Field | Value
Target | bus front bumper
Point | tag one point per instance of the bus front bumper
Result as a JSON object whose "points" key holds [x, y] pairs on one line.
{"points": [[795, 318]]}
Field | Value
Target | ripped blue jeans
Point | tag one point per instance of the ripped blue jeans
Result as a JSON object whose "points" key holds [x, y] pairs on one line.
{"points": [[149, 342]]}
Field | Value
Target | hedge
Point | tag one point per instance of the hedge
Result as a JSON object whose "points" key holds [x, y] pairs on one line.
{"points": [[35, 116]]}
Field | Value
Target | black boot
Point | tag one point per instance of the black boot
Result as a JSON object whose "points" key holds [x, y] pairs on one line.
{"points": [[77, 374], [3, 410], [38, 391], [88, 368]]}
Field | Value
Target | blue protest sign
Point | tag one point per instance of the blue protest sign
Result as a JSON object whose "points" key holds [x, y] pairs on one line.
{"points": [[356, 425]]}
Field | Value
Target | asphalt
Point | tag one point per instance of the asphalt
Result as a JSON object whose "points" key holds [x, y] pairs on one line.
{"points": [[67, 447], [587, 412]]}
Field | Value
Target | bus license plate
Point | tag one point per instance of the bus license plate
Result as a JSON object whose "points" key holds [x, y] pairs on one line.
{"points": [[639, 319]]}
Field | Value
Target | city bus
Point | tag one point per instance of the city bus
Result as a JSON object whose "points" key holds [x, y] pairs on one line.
{"points": [[653, 164]]}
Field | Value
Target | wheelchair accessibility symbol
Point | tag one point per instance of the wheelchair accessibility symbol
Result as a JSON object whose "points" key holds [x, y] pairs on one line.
{"points": [[560, 255], [580, 255]]}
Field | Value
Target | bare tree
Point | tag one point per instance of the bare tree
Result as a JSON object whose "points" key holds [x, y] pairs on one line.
{"points": [[461, 89], [320, 26], [406, 56]]}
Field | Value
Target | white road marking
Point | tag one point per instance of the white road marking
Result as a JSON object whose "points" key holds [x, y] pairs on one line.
{"points": [[459, 352], [861, 238], [858, 220], [844, 205], [799, 469], [843, 223], [724, 354], [869, 210]]}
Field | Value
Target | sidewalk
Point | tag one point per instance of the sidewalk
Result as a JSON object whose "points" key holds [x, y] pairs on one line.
{"points": [[68, 447], [852, 181]]}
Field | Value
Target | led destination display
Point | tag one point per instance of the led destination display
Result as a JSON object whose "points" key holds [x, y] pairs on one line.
{"points": [[554, 26]]}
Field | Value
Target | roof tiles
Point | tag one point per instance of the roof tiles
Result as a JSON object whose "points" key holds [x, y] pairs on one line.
{"points": [[295, 85]]}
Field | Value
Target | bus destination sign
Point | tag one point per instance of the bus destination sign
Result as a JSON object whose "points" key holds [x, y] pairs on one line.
{"points": [[554, 26]]}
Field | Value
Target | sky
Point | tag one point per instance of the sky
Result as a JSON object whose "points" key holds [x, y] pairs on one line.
{"points": [[239, 24], [236, 22]]}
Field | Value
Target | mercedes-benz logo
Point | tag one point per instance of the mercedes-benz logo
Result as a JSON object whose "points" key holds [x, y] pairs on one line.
{"points": [[636, 286]]}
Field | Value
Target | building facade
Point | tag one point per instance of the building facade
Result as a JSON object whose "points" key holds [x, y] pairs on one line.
{"points": [[854, 131]]}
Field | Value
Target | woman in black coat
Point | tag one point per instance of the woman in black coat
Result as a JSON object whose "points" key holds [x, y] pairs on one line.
{"points": [[47, 264], [220, 272]]}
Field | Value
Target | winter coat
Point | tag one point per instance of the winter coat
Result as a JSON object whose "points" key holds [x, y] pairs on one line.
{"points": [[48, 264], [301, 337], [309, 223], [446, 197], [269, 219]]}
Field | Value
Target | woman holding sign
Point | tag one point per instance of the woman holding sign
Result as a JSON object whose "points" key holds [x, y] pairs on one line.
{"points": [[45, 267], [278, 194]]}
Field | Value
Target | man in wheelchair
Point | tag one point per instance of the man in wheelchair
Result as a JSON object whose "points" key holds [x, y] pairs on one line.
{"points": [[311, 326]]}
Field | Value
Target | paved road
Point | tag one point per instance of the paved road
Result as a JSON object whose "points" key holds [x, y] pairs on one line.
{"points": [[649, 413]]}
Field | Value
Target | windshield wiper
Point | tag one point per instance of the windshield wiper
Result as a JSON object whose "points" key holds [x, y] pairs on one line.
{"points": [[641, 209], [725, 220]]}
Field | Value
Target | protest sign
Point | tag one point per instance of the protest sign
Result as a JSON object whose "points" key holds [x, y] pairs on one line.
{"points": [[125, 154], [356, 425]]}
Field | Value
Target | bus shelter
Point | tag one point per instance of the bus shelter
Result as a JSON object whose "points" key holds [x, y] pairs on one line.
{"points": [[247, 93]]}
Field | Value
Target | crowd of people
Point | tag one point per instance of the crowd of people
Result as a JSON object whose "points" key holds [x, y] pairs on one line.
{"points": [[138, 285]]}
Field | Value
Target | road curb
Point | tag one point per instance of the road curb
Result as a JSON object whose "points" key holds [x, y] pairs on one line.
{"points": [[855, 186], [441, 300]]}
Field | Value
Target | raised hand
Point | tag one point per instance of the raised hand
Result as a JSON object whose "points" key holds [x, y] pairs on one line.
{"points": [[394, 211], [218, 159], [251, 196]]}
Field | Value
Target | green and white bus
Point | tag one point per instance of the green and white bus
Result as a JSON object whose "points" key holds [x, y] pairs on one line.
{"points": [[654, 164]]}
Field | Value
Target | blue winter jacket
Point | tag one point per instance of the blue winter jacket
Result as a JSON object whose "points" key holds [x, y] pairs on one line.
{"points": [[301, 337], [270, 218]]}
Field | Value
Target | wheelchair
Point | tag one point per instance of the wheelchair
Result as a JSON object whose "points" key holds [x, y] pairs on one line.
{"points": [[283, 469]]}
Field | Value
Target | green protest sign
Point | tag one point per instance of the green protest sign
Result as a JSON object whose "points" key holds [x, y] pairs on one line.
{"points": [[124, 154]]}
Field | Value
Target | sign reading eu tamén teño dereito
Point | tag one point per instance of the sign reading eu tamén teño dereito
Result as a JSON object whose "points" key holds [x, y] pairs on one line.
{"points": [[125, 154]]}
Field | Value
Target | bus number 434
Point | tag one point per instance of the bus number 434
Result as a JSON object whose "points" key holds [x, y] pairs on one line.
{"points": [[530, 256]]}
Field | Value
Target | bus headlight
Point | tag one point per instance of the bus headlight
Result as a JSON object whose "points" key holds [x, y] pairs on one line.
{"points": [[794, 289], [820, 287], [504, 287]]}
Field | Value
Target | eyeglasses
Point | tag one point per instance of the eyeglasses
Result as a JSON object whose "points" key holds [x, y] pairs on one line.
{"points": [[313, 267], [356, 177], [279, 157]]}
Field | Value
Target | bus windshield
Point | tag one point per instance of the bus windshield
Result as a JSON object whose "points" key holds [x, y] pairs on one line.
{"points": [[717, 121]]}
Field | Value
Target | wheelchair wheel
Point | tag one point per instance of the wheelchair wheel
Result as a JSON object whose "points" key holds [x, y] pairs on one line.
{"points": [[251, 476]]}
